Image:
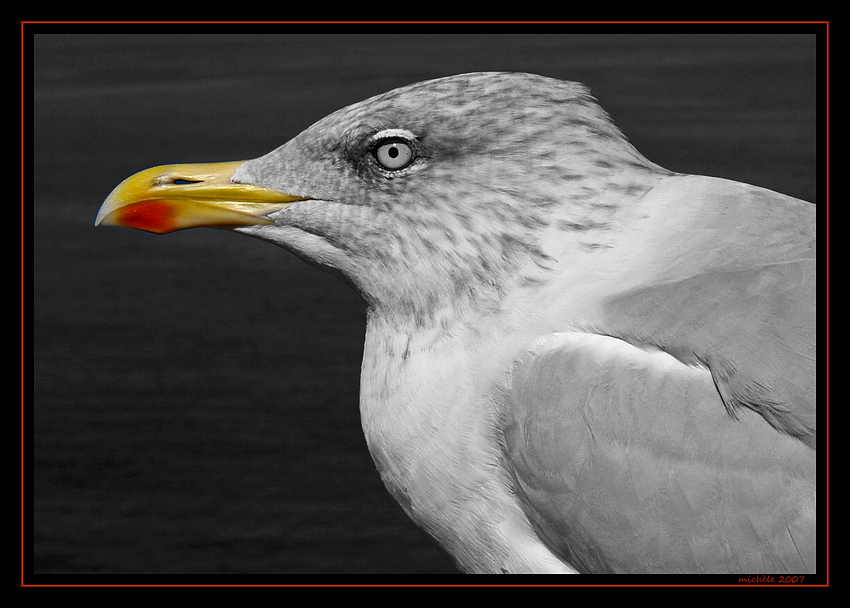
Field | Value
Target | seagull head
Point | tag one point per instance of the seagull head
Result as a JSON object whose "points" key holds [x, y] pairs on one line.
{"points": [[456, 190]]}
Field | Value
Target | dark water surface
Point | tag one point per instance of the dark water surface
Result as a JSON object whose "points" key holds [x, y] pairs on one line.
{"points": [[195, 396]]}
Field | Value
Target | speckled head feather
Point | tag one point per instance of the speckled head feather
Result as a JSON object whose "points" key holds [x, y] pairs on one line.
{"points": [[500, 161]]}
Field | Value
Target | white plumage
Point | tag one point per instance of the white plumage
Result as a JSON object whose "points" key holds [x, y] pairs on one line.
{"points": [[575, 360]]}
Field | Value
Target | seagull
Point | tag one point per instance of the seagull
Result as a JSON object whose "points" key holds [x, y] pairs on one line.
{"points": [[576, 361]]}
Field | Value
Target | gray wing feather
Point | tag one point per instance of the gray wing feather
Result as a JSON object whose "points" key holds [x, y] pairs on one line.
{"points": [[704, 461], [754, 328], [627, 462]]}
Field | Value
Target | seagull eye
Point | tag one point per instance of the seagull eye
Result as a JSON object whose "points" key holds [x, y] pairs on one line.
{"points": [[393, 154]]}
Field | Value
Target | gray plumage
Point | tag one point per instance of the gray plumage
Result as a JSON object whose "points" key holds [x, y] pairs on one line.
{"points": [[575, 360]]}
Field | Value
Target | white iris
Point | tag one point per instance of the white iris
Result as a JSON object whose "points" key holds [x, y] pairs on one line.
{"points": [[394, 154]]}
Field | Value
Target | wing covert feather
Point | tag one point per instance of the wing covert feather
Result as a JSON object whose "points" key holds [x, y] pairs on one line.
{"points": [[626, 461], [754, 329], [736, 293]]}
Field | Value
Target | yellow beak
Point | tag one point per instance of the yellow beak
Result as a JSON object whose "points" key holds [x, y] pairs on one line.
{"points": [[175, 197]]}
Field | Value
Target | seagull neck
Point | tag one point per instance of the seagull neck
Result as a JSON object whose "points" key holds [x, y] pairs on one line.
{"points": [[429, 414]]}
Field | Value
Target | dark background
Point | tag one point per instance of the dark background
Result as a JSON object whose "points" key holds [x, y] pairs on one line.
{"points": [[194, 397]]}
